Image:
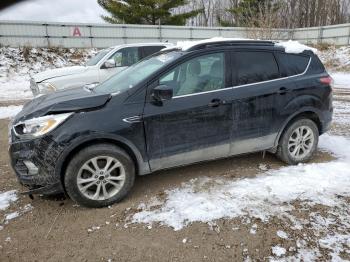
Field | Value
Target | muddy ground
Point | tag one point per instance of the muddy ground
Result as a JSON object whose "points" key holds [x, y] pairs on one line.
{"points": [[59, 230]]}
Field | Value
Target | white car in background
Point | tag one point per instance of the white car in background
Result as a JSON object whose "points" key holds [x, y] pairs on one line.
{"points": [[104, 64]]}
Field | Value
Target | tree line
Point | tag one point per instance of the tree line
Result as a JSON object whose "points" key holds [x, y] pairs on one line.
{"points": [[243, 13]]}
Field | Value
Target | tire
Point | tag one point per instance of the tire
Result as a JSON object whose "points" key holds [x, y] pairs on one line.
{"points": [[290, 141], [105, 173]]}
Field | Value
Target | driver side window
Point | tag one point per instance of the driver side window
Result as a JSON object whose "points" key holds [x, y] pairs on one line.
{"points": [[126, 56], [200, 74]]}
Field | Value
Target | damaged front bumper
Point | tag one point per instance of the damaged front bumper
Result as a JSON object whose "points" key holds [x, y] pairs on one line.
{"points": [[34, 164]]}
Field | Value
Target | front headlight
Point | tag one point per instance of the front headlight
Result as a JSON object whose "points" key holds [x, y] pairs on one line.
{"points": [[37, 127], [46, 87]]}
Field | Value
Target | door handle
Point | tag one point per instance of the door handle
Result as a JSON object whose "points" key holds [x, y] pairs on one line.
{"points": [[215, 103], [283, 91]]}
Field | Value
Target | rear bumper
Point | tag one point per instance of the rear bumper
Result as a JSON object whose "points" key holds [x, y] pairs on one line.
{"points": [[42, 154], [327, 121]]}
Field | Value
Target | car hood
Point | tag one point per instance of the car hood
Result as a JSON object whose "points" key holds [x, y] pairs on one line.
{"points": [[65, 71], [71, 100]]}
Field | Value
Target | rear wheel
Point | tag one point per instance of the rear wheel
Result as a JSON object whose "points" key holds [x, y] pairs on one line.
{"points": [[99, 175], [298, 142]]}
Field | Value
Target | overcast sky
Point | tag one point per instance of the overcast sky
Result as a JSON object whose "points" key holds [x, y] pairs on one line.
{"points": [[80, 11]]}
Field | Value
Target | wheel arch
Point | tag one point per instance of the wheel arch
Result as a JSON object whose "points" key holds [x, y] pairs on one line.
{"points": [[309, 113], [141, 165]]}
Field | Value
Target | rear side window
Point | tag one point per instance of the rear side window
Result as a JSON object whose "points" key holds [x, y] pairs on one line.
{"points": [[254, 67], [291, 64], [150, 50], [316, 66]]}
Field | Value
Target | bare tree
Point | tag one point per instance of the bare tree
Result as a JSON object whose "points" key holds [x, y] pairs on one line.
{"points": [[290, 14]]}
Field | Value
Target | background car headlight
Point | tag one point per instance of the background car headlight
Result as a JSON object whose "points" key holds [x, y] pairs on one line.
{"points": [[46, 87], [37, 127]]}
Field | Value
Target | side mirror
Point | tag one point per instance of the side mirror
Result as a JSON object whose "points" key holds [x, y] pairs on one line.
{"points": [[110, 63], [162, 93]]}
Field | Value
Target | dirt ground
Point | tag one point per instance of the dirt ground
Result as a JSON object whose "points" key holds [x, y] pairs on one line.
{"points": [[59, 230]]}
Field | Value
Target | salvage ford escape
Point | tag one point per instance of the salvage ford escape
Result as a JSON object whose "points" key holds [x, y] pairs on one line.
{"points": [[183, 105]]}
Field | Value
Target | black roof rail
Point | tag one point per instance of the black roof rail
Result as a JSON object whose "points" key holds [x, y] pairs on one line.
{"points": [[230, 43]]}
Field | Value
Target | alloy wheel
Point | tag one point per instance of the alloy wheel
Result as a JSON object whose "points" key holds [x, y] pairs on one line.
{"points": [[301, 142], [101, 177]]}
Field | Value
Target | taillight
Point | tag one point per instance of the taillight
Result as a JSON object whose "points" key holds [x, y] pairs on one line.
{"points": [[327, 80]]}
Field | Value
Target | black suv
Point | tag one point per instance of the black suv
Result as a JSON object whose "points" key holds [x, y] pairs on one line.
{"points": [[207, 101]]}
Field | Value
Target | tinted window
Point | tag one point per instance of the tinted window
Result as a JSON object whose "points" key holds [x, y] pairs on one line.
{"points": [[316, 66], [200, 74], [253, 67], [126, 56], [149, 50], [291, 64]]}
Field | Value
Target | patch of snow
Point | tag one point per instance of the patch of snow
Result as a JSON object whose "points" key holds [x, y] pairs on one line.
{"points": [[336, 59], [268, 195], [260, 197], [18, 64], [339, 146], [6, 198], [278, 251], [341, 80], [282, 234], [263, 167], [294, 47], [341, 113], [335, 243], [15, 88], [12, 215], [9, 111], [253, 229]]}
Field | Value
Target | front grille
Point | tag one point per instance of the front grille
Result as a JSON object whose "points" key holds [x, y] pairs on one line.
{"points": [[34, 87]]}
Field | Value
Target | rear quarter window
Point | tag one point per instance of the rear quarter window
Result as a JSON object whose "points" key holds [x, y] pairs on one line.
{"points": [[316, 66], [291, 64]]}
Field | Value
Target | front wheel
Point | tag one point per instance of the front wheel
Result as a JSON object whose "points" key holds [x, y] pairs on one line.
{"points": [[99, 176], [298, 142]]}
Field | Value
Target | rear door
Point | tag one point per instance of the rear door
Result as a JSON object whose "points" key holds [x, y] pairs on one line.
{"points": [[195, 125], [259, 94]]}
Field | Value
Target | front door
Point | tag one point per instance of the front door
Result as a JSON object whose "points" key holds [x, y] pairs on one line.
{"points": [[195, 125], [123, 58]]}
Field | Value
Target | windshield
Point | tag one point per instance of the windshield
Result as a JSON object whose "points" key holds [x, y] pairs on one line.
{"points": [[136, 73], [95, 59]]}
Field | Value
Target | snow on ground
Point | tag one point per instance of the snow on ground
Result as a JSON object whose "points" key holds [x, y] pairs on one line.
{"points": [[9, 111], [336, 59], [278, 251], [260, 197], [6, 198], [12, 215], [341, 80], [266, 196], [341, 114], [18, 64], [15, 88]]}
